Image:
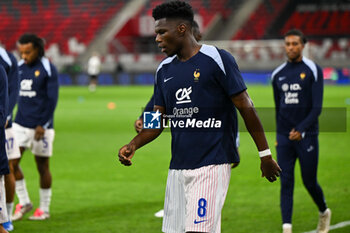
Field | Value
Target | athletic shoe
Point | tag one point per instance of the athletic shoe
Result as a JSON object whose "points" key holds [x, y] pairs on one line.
{"points": [[8, 226], [324, 221], [159, 214], [287, 228], [21, 210], [39, 214]]}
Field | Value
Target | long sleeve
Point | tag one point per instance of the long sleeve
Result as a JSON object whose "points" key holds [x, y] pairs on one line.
{"points": [[148, 107], [276, 98], [317, 96], [13, 85], [4, 99], [52, 98]]}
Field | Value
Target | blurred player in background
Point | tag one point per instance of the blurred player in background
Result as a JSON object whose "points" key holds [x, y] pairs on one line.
{"points": [[204, 76], [94, 67], [298, 92], [9, 62], [4, 167], [34, 121]]}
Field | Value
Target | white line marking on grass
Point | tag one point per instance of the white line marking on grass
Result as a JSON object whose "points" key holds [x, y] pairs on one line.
{"points": [[336, 226]]}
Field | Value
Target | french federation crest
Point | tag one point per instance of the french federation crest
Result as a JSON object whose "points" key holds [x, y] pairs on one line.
{"points": [[196, 75], [37, 73]]}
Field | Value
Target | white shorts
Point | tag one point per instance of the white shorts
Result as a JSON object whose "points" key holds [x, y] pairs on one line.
{"points": [[194, 199], [12, 149], [3, 210], [25, 138]]}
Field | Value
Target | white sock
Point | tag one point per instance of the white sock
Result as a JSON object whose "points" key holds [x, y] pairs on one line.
{"points": [[21, 191], [287, 226], [324, 212], [9, 207], [45, 199]]}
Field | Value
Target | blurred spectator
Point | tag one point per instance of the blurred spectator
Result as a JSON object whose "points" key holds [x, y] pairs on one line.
{"points": [[94, 67]]}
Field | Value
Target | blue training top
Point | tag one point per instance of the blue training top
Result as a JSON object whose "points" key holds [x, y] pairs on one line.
{"points": [[38, 94], [196, 95], [4, 166], [150, 106], [298, 93], [9, 62]]}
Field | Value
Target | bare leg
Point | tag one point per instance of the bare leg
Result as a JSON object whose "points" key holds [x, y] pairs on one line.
{"points": [[44, 172], [2, 230], [45, 187], [17, 171], [10, 184]]}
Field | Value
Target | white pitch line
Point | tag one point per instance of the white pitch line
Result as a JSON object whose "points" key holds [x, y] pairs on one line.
{"points": [[336, 226]]}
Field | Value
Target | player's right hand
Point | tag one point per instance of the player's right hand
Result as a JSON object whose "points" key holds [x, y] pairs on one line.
{"points": [[138, 125], [269, 168], [126, 153], [39, 133], [295, 135]]}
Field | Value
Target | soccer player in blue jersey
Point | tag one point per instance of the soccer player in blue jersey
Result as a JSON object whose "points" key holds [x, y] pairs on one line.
{"points": [[204, 81], [149, 107], [298, 92], [9, 63], [4, 167], [34, 121]]}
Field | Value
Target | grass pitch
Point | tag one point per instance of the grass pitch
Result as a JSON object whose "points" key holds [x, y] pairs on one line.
{"points": [[93, 192]]}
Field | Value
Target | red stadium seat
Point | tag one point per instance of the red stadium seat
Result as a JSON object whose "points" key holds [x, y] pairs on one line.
{"points": [[55, 22]]}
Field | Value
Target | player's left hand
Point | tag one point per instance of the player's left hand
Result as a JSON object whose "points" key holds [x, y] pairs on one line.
{"points": [[126, 153], [295, 135], [270, 168], [39, 133]]}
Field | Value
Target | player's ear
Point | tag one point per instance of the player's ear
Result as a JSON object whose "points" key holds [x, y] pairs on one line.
{"points": [[181, 29]]}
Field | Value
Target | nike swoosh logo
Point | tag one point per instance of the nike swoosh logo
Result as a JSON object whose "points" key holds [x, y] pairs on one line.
{"points": [[167, 79], [196, 222], [281, 78]]}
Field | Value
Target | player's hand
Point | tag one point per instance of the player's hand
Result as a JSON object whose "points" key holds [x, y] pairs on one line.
{"points": [[126, 153], [138, 125], [295, 135], [39, 133], [269, 168], [7, 122]]}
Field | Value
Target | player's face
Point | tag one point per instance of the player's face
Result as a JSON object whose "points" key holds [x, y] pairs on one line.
{"points": [[294, 47], [28, 53], [167, 36]]}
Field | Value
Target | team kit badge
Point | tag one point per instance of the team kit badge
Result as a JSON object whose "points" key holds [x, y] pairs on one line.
{"points": [[37, 73], [196, 75]]}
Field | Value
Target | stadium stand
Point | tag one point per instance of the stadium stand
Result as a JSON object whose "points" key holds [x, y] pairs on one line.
{"points": [[55, 20], [319, 22], [73, 28], [260, 20], [317, 19], [133, 36]]}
